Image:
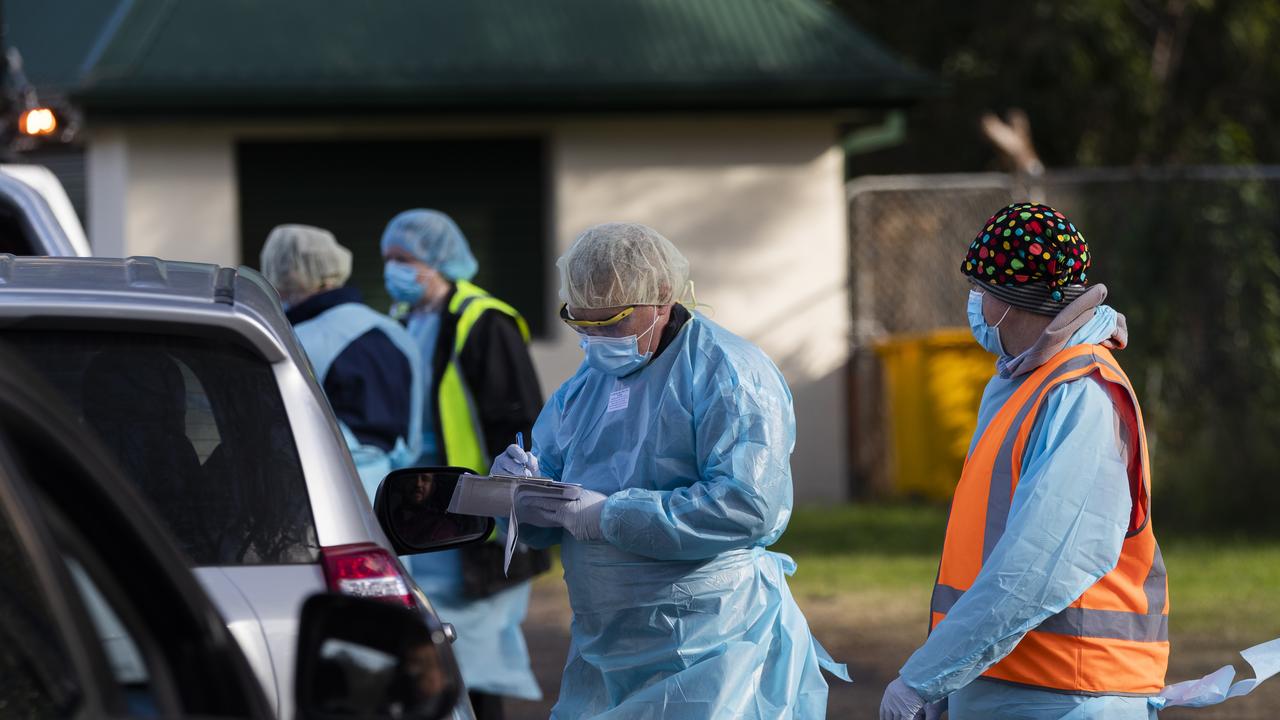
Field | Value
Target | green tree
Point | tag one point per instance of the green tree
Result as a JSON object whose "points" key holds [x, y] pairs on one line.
{"points": [[1194, 264], [1104, 82]]}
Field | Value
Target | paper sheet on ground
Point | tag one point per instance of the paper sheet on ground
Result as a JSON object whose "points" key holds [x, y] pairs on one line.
{"points": [[494, 495]]}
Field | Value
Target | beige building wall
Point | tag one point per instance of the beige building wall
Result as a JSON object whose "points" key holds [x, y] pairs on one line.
{"points": [[758, 208], [167, 193], [756, 205]]}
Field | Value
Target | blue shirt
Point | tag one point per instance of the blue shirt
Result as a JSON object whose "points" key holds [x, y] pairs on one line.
{"points": [[424, 327]]}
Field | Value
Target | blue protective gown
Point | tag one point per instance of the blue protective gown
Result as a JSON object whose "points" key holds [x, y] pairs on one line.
{"points": [[682, 612], [424, 328], [336, 332], [1066, 525], [490, 648]]}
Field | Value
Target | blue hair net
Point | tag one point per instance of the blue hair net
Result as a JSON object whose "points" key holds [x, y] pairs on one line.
{"points": [[435, 239]]}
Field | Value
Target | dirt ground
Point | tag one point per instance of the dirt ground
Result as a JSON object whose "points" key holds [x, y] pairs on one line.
{"points": [[874, 636]]}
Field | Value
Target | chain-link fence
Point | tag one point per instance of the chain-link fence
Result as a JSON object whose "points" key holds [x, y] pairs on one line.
{"points": [[1191, 256]]}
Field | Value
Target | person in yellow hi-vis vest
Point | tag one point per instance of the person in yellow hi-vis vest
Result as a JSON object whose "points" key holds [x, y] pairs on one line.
{"points": [[1051, 599], [481, 390]]}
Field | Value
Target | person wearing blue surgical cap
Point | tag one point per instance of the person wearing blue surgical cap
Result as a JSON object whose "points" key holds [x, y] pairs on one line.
{"points": [[680, 434], [367, 364], [480, 392]]}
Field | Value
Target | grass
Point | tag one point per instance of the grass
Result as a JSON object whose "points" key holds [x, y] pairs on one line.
{"points": [[881, 560], [1229, 589], [866, 555], [852, 549]]}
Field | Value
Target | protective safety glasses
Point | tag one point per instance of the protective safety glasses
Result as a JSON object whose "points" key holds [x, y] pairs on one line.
{"points": [[577, 324]]}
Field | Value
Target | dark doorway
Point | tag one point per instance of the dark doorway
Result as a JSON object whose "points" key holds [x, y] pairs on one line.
{"points": [[494, 188]]}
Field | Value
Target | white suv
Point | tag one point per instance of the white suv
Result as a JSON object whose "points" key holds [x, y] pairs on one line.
{"points": [[191, 375]]}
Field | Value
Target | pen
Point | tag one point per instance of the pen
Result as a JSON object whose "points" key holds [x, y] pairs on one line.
{"points": [[520, 444]]}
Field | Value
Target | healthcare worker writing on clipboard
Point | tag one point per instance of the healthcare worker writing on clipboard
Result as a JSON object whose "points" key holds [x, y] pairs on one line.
{"points": [[680, 434]]}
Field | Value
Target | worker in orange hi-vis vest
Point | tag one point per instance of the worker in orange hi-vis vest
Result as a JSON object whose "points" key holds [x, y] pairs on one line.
{"points": [[1051, 596]]}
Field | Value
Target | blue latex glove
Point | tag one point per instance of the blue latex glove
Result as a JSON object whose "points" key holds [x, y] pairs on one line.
{"points": [[901, 702], [581, 517], [935, 709], [515, 461]]}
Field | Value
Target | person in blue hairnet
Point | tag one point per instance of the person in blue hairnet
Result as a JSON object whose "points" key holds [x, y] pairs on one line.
{"points": [[480, 392], [366, 362], [680, 434]]}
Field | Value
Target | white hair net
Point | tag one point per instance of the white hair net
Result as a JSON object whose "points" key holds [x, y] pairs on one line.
{"points": [[435, 239], [302, 260], [618, 264]]}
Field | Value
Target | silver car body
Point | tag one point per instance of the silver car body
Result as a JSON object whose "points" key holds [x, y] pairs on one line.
{"points": [[261, 604]]}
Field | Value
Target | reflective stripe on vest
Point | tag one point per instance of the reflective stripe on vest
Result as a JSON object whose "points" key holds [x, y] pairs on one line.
{"points": [[1114, 638], [463, 438]]}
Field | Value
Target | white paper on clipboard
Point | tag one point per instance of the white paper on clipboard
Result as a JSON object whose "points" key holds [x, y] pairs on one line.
{"points": [[513, 538], [494, 495]]}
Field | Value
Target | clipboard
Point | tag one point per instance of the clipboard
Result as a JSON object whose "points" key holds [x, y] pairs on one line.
{"points": [[493, 495]]}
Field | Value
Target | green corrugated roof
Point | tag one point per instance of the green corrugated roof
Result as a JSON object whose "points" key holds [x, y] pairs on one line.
{"points": [[253, 55], [55, 38]]}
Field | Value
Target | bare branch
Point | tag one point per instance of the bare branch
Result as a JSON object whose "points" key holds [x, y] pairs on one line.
{"points": [[1013, 140]]}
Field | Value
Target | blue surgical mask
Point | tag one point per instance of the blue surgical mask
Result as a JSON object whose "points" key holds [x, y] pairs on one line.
{"points": [[988, 336], [402, 282], [619, 356]]}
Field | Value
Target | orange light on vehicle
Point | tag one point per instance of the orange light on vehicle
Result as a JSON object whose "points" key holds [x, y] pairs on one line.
{"points": [[38, 121]]}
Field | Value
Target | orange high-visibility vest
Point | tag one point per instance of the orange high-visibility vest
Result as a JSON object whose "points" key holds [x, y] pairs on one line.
{"points": [[1114, 639]]}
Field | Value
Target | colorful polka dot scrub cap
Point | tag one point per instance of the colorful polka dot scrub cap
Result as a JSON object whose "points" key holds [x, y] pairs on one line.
{"points": [[1031, 256]]}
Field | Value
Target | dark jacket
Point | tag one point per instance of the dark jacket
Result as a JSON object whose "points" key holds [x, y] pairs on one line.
{"points": [[499, 374], [368, 383]]}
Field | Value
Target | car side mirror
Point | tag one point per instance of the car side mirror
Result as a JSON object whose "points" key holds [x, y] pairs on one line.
{"points": [[412, 506], [365, 658]]}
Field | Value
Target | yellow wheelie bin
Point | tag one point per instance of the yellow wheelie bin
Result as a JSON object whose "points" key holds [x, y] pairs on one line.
{"points": [[932, 385]]}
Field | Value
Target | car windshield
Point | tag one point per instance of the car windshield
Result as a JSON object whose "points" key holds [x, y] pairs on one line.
{"points": [[199, 425]]}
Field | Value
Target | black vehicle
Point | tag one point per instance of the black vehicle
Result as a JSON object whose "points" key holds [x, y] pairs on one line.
{"points": [[100, 616]]}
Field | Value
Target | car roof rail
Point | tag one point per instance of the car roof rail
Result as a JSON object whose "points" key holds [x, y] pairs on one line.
{"points": [[224, 286], [142, 271]]}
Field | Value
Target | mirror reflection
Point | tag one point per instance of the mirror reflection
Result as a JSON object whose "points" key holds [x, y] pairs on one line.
{"points": [[417, 510], [376, 661]]}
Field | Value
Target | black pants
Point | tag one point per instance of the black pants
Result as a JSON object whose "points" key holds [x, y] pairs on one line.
{"points": [[487, 707]]}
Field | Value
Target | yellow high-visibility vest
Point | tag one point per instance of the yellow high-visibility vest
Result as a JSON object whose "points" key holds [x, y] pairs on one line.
{"points": [[462, 436]]}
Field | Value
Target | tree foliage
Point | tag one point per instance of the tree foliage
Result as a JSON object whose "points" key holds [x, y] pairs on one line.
{"points": [[1193, 263], [1104, 82]]}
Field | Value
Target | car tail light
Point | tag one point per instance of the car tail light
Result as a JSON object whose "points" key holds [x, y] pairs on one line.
{"points": [[366, 570]]}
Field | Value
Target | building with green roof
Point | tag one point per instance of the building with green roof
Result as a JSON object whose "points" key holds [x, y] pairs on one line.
{"points": [[716, 121]]}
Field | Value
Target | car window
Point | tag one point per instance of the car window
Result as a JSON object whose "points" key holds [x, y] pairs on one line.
{"points": [[13, 239], [199, 426], [117, 642], [35, 676], [202, 429], [121, 649]]}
